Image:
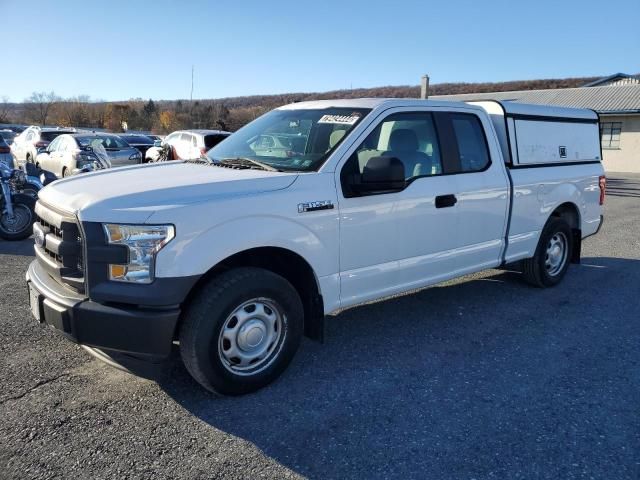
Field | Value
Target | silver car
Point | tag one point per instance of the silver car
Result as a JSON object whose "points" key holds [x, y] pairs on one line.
{"points": [[71, 154]]}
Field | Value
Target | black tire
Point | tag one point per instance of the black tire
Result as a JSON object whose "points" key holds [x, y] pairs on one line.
{"points": [[536, 270], [65, 172], [210, 310], [28, 159], [23, 206]]}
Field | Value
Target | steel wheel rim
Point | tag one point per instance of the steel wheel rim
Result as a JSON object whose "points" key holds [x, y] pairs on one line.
{"points": [[556, 253], [252, 336], [20, 220]]}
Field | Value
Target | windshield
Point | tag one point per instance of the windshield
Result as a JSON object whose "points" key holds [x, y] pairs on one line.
{"points": [[290, 139], [109, 142]]}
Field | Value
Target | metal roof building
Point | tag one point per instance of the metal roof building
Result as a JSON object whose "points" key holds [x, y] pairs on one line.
{"points": [[616, 99]]}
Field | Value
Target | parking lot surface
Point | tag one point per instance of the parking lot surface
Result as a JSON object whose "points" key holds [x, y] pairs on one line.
{"points": [[482, 377]]}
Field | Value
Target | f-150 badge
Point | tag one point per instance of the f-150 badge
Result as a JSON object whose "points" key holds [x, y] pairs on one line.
{"points": [[314, 206]]}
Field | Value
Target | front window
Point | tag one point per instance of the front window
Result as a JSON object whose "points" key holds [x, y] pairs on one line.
{"points": [[299, 140]]}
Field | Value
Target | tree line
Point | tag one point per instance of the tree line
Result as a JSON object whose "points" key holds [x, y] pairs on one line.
{"points": [[164, 116]]}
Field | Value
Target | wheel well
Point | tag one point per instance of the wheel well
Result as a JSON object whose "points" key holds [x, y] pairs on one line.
{"points": [[570, 214], [289, 265]]}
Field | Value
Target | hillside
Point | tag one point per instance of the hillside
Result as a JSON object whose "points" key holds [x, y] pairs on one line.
{"points": [[230, 113]]}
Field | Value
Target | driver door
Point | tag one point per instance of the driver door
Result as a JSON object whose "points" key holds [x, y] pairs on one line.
{"points": [[394, 241]]}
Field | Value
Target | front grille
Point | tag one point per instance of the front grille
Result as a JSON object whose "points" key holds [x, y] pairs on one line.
{"points": [[58, 246]]}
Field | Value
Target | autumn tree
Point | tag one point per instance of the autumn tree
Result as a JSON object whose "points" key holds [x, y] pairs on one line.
{"points": [[39, 105], [5, 109]]}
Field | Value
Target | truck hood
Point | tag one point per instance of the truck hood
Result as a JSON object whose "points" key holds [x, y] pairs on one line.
{"points": [[133, 194]]}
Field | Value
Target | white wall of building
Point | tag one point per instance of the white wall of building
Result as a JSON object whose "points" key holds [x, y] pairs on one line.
{"points": [[626, 157]]}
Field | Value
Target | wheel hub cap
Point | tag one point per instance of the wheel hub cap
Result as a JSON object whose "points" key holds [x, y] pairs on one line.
{"points": [[556, 254], [252, 336]]}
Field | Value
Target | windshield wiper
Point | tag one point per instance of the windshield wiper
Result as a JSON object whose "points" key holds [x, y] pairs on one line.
{"points": [[248, 163]]}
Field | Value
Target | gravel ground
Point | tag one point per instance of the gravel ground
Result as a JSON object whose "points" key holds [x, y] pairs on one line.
{"points": [[482, 377]]}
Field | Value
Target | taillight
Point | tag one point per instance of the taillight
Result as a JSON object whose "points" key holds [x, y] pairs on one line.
{"points": [[5, 150], [602, 183], [203, 151]]}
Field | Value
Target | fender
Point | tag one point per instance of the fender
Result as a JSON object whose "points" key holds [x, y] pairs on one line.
{"points": [[226, 239]]}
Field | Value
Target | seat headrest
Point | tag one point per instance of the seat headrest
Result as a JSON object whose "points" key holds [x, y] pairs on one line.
{"points": [[403, 140], [335, 137]]}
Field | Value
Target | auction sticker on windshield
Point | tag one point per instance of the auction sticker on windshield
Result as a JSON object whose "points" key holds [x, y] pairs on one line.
{"points": [[339, 119]]}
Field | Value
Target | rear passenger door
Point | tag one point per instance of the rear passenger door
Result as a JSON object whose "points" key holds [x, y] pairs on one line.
{"points": [[481, 189]]}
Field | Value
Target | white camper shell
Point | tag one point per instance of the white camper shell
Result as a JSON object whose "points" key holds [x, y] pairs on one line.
{"points": [[541, 135]]}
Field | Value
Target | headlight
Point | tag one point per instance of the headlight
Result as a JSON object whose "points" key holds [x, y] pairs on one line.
{"points": [[143, 242]]}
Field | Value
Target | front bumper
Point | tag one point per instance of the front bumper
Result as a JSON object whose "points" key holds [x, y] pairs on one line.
{"points": [[116, 327]]}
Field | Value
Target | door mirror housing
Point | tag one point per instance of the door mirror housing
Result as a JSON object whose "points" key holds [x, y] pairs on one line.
{"points": [[381, 175], [42, 150], [157, 143]]}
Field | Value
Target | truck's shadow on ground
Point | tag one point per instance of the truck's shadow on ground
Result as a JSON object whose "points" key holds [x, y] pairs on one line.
{"points": [[456, 379], [21, 247]]}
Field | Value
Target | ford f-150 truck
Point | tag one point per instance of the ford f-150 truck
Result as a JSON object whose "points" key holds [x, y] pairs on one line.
{"points": [[236, 255]]}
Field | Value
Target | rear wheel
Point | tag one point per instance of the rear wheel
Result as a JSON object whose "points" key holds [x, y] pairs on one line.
{"points": [[65, 172], [28, 159], [553, 253], [241, 330]]}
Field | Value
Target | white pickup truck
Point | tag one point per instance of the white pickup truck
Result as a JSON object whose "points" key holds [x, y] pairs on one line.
{"points": [[237, 255]]}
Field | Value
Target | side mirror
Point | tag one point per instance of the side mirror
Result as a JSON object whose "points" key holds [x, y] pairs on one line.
{"points": [[157, 143], [381, 174], [41, 150]]}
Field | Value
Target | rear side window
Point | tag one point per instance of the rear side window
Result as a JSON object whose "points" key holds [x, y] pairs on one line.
{"points": [[185, 137], [49, 136], [211, 141], [472, 145]]}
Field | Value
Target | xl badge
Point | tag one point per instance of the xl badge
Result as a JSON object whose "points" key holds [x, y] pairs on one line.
{"points": [[314, 206]]}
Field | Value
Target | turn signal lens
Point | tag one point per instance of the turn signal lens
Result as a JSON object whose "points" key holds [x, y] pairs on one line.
{"points": [[117, 271]]}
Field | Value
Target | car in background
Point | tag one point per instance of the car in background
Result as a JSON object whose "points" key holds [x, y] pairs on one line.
{"points": [[139, 141], [25, 146], [5, 153], [76, 153], [8, 135], [187, 144], [280, 145]]}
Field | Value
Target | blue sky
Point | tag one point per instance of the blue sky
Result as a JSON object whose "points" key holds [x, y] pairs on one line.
{"points": [[116, 50]]}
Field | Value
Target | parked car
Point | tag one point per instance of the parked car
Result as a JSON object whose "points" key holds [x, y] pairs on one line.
{"points": [[25, 146], [235, 258], [139, 141], [8, 135], [76, 153], [5, 153], [187, 144]]}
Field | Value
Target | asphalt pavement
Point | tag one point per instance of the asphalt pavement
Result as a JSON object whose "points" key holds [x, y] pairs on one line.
{"points": [[482, 377]]}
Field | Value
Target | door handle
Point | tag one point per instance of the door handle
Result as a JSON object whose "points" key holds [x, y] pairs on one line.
{"points": [[444, 201]]}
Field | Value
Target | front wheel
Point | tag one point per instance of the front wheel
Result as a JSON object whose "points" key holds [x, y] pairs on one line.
{"points": [[19, 225], [241, 330], [551, 260]]}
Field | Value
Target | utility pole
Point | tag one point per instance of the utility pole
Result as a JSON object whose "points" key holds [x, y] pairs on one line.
{"points": [[191, 96], [424, 87]]}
